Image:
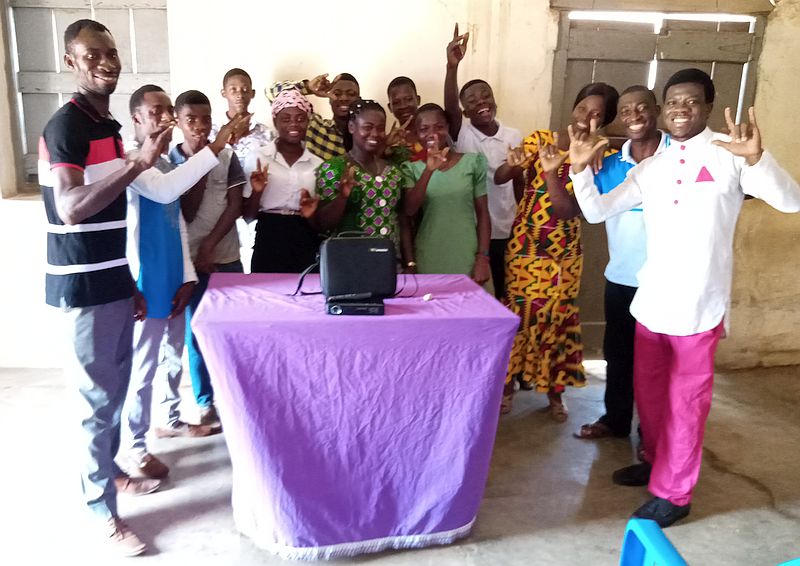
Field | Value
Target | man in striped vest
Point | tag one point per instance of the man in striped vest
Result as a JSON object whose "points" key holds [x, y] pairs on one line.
{"points": [[84, 176]]}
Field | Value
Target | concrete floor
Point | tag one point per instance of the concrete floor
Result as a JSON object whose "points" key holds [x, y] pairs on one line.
{"points": [[549, 499]]}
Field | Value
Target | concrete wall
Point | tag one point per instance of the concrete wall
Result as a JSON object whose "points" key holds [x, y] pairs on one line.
{"points": [[512, 44], [766, 296]]}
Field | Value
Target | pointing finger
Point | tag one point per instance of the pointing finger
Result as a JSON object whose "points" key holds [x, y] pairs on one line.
{"points": [[729, 120]]}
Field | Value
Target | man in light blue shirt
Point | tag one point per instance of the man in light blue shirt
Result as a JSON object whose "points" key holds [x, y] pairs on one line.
{"points": [[638, 111]]}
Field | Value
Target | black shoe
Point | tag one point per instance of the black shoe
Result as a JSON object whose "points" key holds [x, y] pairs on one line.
{"points": [[662, 512], [633, 476]]}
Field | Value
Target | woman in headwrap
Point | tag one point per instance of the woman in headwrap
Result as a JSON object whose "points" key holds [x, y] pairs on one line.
{"points": [[281, 192]]}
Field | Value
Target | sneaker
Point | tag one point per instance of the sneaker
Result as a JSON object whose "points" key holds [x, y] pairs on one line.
{"points": [[123, 539], [136, 486], [148, 466], [662, 511], [181, 428], [633, 476], [209, 416]]}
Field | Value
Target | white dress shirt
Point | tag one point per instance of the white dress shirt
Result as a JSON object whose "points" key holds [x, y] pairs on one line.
{"points": [[284, 181], [691, 194], [502, 203]]}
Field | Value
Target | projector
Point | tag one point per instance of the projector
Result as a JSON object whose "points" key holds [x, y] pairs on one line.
{"points": [[356, 274]]}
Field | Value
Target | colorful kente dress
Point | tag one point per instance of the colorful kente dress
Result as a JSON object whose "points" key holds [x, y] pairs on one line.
{"points": [[544, 261], [372, 206]]}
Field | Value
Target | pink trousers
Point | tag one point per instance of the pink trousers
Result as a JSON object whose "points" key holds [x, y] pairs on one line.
{"points": [[672, 382]]}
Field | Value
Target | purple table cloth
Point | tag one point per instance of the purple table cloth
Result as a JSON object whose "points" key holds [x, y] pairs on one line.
{"points": [[353, 434]]}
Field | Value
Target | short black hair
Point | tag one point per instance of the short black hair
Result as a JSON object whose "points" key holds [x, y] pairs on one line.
{"points": [[138, 96], [236, 72], [431, 107], [400, 81], [347, 77], [640, 88], [695, 76], [469, 84], [609, 95], [191, 97], [75, 28]]}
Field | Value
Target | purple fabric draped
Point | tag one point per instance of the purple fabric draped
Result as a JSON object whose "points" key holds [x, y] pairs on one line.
{"points": [[351, 434]]}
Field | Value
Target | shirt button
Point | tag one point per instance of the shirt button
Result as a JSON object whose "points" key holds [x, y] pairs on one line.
{"points": [[379, 179], [679, 181], [384, 231], [683, 161], [382, 202], [683, 147], [676, 202]]}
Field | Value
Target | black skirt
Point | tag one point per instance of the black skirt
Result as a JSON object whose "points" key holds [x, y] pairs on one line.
{"points": [[284, 244]]}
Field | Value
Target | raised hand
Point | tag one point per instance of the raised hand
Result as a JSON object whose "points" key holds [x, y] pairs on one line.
{"points": [[518, 156], [347, 182], [320, 85], [550, 156], [308, 204], [398, 135], [153, 146], [259, 177], [436, 157], [745, 138], [583, 146], [457, 48], [230, 131]]}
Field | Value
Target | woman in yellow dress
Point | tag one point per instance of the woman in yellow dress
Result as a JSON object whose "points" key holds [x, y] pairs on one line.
{"points": [[544, 260]]}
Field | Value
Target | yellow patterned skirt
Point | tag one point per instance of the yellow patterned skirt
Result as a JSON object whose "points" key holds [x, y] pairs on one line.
{"points": [[547, 351]]}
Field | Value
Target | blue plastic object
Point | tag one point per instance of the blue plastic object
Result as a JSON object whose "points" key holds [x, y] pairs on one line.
{"points": [[645, 544], [795, 562]]}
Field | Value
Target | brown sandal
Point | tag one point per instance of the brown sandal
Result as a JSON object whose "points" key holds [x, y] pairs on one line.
{"points": [[558, 410], [594, 431]]}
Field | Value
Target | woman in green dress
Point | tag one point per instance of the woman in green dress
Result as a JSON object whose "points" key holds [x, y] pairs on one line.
{"points": [[450, 187], [360, 191]]}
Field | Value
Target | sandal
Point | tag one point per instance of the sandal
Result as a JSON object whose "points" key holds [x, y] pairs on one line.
{"points": [[593, 431], [558, 410]]}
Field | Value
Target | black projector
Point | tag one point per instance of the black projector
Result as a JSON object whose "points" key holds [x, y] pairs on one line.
{"points": [[356, 274]]}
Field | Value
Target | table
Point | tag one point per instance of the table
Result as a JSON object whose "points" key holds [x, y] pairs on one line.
{"points": [[354, 434]]}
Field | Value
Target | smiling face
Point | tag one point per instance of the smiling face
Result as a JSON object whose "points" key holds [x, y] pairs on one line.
{"points": [[479, 105], [369, 131], [591, 107], [403, 102], [686, 111], [93, 59], [343, 93], [194, 120], [151, 115], [238, 91], [638, 113], [431, 127], [291, 123]]}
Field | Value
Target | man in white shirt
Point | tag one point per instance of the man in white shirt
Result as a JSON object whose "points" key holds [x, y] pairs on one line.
{"points": [[483, 133], [691, 194]]}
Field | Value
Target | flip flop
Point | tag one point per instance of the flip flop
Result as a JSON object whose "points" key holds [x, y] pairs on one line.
{"points": [[594, 431], [559, 412]]}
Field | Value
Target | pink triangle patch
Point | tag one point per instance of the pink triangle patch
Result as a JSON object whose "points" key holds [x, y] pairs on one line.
{"points": [[703, 176]]}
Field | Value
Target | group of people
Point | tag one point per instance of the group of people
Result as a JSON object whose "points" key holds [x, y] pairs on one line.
{"points": [[136, 235]]}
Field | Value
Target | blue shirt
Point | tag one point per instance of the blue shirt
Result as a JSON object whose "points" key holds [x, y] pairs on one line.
{"points": [[627, 241]]}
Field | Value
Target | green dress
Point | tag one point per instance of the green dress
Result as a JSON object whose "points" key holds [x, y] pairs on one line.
{"points": [[447, 238], [372, 205]]}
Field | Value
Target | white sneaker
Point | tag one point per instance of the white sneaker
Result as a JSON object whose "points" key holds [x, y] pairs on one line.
{"points": [[123, 540]]}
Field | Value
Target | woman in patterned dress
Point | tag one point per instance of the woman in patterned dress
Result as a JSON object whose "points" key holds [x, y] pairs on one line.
{"points": [[360, 191], [544, 261]]}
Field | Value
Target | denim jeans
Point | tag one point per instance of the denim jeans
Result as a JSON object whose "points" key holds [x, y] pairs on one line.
{"points": [[98, 366], [201, 382]]}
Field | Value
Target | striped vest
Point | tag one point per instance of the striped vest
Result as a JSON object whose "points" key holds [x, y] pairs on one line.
{"points": [[86, 263]]}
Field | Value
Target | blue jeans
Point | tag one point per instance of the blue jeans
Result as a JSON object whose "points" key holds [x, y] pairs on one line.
{"points": [[201, 382]]}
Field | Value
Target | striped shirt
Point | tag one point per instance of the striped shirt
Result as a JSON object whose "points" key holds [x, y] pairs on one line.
{"points": [[323, 138], [86, 262]]}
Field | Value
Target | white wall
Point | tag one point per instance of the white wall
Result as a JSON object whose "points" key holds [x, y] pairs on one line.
{"points": [[511, 46]]}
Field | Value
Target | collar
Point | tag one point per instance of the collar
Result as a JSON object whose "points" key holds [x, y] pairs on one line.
{"points": [[703, 138], [481, 136], [625, 151], [271, 150], [80, 100]]}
